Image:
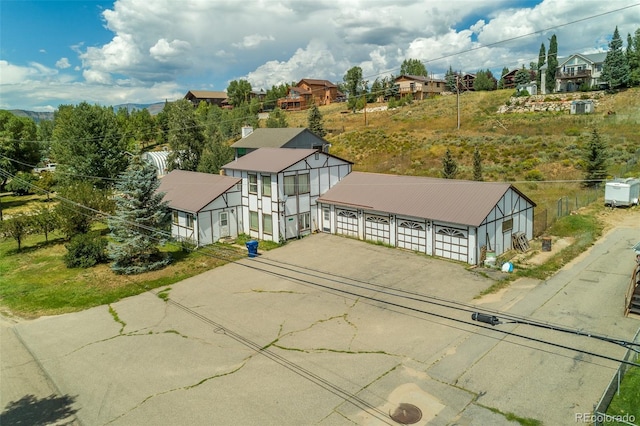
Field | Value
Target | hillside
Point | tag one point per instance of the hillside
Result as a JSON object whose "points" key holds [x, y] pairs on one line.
{"points": [[514, 146]]}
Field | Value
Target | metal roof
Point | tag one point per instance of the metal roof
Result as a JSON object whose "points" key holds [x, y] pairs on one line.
{"points": [[269, 137], [158, 159], [456, 201], [270, 160], [192, 191], [207, 94]]}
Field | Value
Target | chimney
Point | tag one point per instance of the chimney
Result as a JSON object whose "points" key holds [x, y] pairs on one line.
{"points": [[246, 131]]}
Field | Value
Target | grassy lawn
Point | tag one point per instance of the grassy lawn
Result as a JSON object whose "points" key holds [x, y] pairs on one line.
{"points": [[628, 401], [35, 281]]}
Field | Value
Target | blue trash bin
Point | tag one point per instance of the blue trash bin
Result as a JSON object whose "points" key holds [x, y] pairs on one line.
{"points": [[252, 247]]}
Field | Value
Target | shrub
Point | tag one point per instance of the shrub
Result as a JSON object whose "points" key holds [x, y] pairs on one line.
{"points": [[572, 131], [22, 184], [534, 175], [85, 250]]}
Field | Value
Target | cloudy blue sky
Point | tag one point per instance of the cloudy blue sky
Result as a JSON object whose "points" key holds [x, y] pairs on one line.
{"points": [[143, 51]]}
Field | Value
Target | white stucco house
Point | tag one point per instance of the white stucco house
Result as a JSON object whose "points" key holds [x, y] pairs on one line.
{"points": [[204, 207], [452, 219], [280, 189]]}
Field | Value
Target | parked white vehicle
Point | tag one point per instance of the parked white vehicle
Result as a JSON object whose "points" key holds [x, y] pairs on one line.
{"points": [[51, 167]]}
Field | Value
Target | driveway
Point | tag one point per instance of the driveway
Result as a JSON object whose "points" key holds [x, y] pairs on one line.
{"points": [[330, 331]]}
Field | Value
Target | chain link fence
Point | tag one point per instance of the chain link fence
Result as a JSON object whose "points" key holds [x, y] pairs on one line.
{"points": [[600, 416], [545, 216]]}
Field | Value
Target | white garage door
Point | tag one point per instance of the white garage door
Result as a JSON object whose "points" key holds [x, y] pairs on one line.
{"points": [[451, 243], [377, 228], [412, 235], [347, 222]]}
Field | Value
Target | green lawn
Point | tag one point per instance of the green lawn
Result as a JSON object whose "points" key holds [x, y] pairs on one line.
{"points": [[628, 401], [35, 281]]}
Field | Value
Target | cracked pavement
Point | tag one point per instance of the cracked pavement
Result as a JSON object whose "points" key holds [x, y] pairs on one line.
{"points": [[146, 360]]}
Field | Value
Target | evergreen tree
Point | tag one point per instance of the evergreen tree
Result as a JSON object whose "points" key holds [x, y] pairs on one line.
{"points": [[477, 165], [634, 60], [552, 64], [484, 81], [449, 166], [451, 79], [595, 160], [615, 69], [522, 76], [277, 119], [542, 58], [138, 222], [315, 123]]}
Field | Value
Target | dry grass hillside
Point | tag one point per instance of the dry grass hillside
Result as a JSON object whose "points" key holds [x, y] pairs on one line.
{"points": [[514, 146]]}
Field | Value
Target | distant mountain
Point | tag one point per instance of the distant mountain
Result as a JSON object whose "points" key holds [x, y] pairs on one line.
{"points": [[39, 116], [35, 116]]}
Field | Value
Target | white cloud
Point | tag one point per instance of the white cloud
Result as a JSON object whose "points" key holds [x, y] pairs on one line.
{"points": [[63, 63], [252, 41], [164, 51]]}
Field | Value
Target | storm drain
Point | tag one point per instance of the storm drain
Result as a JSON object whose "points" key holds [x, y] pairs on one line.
{"points": [[406, 414]]}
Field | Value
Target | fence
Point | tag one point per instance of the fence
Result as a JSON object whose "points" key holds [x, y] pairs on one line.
{"points": [[545, 217], [600, 409]]}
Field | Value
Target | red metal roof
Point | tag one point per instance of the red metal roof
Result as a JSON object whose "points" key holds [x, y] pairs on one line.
{"points": [[192, 191], [456, 201]]}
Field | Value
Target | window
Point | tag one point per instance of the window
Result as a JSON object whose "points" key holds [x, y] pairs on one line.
{"points": [[190, 221], [253, 184], [266, 186], [267, 224], [296, 184], [224, 219], [289, 185], [253, 221], [507, 225], [175, 216], [303, 184], [304, 221]]}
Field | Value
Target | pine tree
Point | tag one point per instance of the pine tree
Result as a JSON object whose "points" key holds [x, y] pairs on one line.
{"points": [[140, 215], [552, 64], [595, 160], [634, 60], [477, 165], [451, 79], [615, 69], [449, 166], [314, 122]]}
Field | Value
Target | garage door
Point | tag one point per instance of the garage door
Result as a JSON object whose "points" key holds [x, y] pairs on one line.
{"points": [[347, 222], [451, 243], [412, 235], [377, 228]]}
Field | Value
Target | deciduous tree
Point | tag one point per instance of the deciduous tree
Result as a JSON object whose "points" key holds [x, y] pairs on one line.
{"points": [[238, 92], [413, 67], [353, 84], [19, 150], [185, 136], [277, 119]]}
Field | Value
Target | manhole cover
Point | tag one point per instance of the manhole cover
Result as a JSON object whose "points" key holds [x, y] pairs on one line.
{"points": [[406, 414]]}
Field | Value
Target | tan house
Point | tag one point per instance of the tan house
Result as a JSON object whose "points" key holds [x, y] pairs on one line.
{"points": [[419, 87], [307, 92]]}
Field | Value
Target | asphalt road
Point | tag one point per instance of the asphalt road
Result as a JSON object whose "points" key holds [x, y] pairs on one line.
{"points": [[332, 331]]}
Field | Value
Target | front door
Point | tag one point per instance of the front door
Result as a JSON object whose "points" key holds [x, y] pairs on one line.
{"points": [[326, 219], [224, 224]]}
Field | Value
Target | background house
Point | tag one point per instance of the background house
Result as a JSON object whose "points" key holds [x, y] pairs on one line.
{"points": [[210, 97], [204, 207], [419, 87], [289, 137], [580, 69], [307, 92], [448, 218], [280, 187]]}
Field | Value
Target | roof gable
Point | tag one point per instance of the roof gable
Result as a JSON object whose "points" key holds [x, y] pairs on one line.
{"points": [[314, 82], [273, 160], [590, 58], [205, 94], [192, 191], [448, 200], [271, 137]]}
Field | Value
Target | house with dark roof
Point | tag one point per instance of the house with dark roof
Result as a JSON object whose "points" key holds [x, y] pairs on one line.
{"points": [[453, 219], [280, 188], [289, 137], [419, 87], [211, 97], [310, 91], [204, 207]]}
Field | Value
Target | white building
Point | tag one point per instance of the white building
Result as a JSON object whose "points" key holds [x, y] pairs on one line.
{"points": [[280, 188], [453, 219]]}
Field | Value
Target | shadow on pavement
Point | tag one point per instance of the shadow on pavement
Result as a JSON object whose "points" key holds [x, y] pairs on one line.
{"points": [[29, 410]]}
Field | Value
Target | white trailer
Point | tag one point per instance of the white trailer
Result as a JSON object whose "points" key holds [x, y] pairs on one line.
{"points": [[622, 192]]}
